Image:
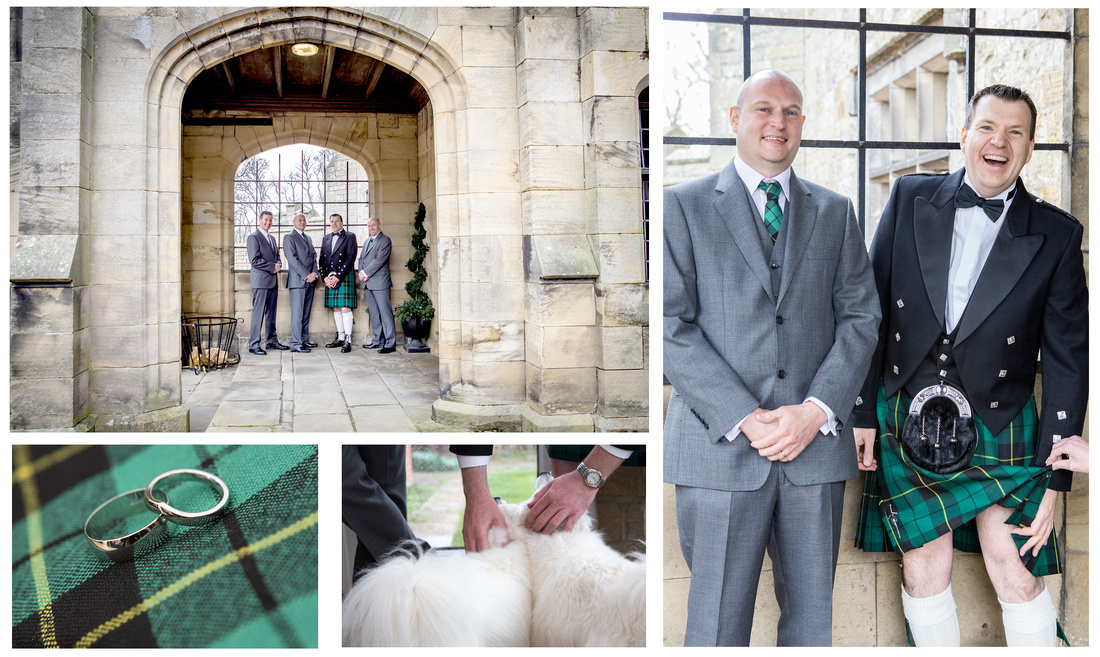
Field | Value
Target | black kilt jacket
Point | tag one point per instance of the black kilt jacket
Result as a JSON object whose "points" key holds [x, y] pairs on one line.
{"points": [[1031, 297], [342, 261]]}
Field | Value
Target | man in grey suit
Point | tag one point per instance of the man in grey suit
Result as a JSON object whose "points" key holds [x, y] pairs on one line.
{"points": [[302, 273], [770, 317], [374, 272], [263, 254]]}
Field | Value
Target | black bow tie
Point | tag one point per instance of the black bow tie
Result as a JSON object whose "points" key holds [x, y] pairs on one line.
{"points": [[968, 198]]}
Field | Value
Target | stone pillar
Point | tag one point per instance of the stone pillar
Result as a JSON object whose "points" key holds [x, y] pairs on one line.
{"points": [[134, 273], [49, 263], [614, 62], [479, 245]]}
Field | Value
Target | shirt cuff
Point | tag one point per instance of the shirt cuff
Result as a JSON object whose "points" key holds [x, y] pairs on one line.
{"points": [[623, 454], [467, 461], [736, 430], [829, 428]]}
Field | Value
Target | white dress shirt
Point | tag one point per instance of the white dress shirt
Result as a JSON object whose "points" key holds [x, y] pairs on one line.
{"points": [[971, 242], [469, 461], [751, 178]]}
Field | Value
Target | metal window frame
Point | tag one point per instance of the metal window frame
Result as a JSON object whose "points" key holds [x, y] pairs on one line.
{"points": [[279, 180], [644, 136], [971, 31]]}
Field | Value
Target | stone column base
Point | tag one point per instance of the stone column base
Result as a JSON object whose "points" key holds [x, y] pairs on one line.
{"points": [[629, 424], [533, 421], [176, 418], [458, 415]]}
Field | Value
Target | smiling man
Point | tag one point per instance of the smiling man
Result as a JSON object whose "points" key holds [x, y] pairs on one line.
{"points": [[770, 318], [975, 277]]}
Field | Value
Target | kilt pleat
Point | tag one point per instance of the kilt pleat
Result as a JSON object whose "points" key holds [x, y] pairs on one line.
{"points": [[904, 506]]}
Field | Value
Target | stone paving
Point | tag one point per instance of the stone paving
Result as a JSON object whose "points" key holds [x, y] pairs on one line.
{"points": [[323, 391]]}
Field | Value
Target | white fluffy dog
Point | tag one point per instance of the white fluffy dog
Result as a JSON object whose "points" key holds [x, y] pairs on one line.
{"points": [[561, 589]]}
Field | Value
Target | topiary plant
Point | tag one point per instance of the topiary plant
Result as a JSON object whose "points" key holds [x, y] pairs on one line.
{"points": [[418, 305]]}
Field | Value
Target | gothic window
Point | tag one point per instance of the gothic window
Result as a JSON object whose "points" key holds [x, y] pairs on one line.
{"points": [[317, 182]]}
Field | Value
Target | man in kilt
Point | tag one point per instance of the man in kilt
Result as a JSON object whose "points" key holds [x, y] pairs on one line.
{"points": [[338, 251], [975, 276]]}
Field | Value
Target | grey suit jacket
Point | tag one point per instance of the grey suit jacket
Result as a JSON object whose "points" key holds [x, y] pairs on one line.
{"points": [[375, 262], [301, 260], [263, 256], [732, 344]]}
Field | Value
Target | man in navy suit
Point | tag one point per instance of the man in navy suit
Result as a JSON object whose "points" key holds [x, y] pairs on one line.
{"points": [[263, 254]]}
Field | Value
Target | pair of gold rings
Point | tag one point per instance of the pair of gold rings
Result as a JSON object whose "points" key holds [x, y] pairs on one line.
{"points": [[105, 518]]}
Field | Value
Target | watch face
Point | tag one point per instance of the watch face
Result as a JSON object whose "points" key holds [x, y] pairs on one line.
{"points": [[592, 478]]}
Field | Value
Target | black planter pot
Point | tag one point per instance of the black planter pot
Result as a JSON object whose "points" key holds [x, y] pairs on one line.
{"points": [[416, 331]]}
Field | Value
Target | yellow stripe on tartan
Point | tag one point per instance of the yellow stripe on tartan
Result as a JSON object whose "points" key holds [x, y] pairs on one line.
{"points": [[28, 469], [31, 504], [195, 575]]}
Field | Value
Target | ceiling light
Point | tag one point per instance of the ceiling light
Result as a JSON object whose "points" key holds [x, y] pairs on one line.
{"points": [[304, 49]]}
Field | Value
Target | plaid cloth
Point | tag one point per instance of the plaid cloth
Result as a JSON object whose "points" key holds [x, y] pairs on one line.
{"points": [[247, 579], [903, 506], [577, 453], [343, 295]]}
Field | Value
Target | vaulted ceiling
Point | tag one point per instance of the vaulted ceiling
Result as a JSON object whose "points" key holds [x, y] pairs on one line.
{"points": [[333, 80]]}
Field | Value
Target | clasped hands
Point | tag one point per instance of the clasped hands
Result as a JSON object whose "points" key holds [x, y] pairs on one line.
{"points": [[782, 434], [331, 280]]}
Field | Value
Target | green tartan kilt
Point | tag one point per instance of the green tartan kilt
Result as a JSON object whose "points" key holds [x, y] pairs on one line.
{"points": [[343, 295], [904, 506]]}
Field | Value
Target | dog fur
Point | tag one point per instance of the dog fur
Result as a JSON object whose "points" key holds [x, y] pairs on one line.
{"points": [[560, 589]]}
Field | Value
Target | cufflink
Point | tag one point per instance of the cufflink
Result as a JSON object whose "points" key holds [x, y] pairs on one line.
{"points": [[1002, 373], [1061, 415]]}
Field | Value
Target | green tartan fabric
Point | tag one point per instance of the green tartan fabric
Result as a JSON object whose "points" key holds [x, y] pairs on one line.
{"points": [[246, 579], [577, 453], [903, 506], [344, 294]]}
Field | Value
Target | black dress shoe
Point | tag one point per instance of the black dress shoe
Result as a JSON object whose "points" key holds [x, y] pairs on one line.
{"points": [[335, 343], [346, 348], [300, 350], [257, 351], [373, 345], [310, 344], [277, 345], [387, 350]]}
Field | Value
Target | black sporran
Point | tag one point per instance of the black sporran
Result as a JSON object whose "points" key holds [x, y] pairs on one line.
{"points": [[939, 434]]}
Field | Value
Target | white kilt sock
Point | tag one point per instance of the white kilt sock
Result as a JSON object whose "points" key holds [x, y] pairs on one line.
{"points": [[933, 621], [348, 324], [338, 317], [1031, 623]]}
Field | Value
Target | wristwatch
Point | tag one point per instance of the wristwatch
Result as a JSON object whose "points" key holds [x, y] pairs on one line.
{"points": [[592, 477]]}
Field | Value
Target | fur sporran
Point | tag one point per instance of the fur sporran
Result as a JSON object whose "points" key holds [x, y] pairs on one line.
{"points": [[939, 435]]}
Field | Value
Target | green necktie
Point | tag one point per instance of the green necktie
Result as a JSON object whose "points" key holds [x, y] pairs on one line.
{"points": [[773, 216]]}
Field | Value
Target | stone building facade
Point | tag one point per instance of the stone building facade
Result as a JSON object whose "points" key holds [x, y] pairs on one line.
{"points": [[525, 154], [916, 89]]}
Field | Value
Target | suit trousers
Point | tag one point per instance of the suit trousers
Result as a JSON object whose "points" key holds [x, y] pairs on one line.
{"points": [[301, 305], [264, 302], [374, 500], [381, 317], [723, 535]]}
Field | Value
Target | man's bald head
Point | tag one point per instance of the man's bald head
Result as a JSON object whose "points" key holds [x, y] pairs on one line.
{"points": [[760, 77]]}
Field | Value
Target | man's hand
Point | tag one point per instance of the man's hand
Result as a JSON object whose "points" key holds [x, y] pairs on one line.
{"points": [[865, 449], [482, 512], [311, 278], [1077, 451], [1040, 527], [277, 267], [362, 277], [792, 428], [331, 281], [563, 500]]}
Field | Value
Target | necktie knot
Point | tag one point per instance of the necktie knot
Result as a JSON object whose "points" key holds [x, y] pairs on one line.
{"points": [[773, 215], [966, 197]]}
